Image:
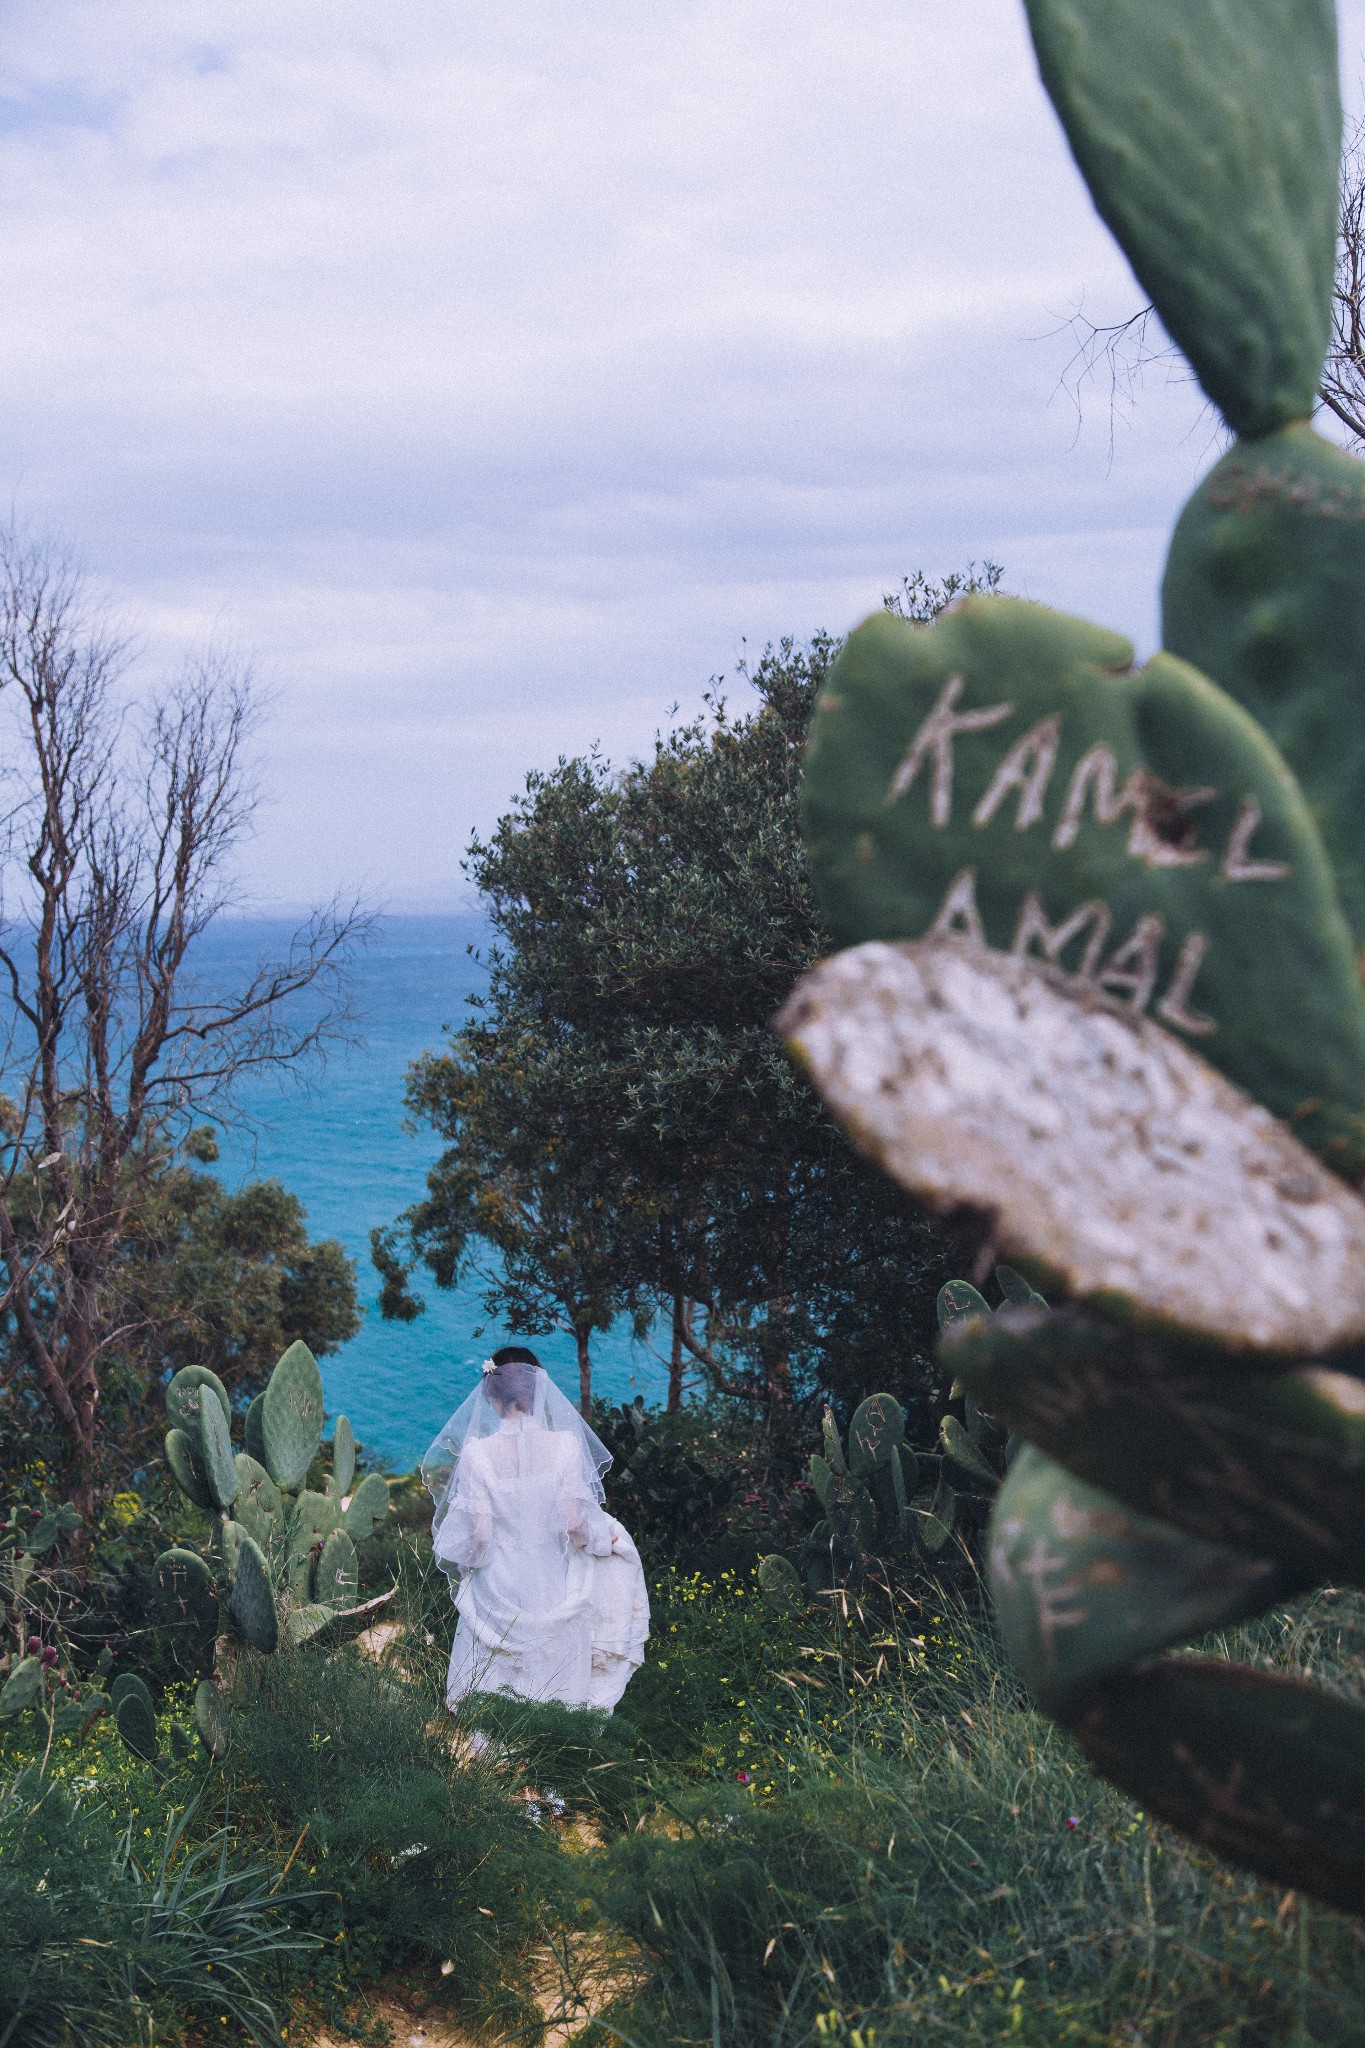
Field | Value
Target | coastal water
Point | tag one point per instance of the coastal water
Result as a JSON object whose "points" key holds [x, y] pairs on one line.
{"points": [[335, 1137]]}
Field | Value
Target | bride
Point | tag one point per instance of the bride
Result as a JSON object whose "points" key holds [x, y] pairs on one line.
{"points": [[548, 1587]]}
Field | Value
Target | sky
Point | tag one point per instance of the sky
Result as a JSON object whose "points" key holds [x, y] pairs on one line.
{"points": [[494, 378]]}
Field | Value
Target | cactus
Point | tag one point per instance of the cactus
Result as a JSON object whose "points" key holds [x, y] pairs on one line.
{"points": [[881, 1500], [284, 1566], [1159, 1099]]}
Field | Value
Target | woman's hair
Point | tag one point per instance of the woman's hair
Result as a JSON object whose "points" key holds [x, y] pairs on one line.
{"points": [[512, 1382]]}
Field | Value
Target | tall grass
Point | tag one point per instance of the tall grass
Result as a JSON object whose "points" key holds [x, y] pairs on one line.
{"points": [[101, 1944], [927, 1860]]}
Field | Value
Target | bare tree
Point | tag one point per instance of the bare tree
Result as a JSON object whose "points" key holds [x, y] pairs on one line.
{"points": [[118, 826], [1121, 351]]}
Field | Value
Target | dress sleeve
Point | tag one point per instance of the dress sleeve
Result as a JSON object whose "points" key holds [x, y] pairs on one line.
{"points": [[466, 1529], [589, 1528]]}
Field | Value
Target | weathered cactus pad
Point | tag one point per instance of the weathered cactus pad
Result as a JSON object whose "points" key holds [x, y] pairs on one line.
{"points": [[1265, 591], [1001, 776], [1105, 1151], [1084, 1584], [1269, 1463], [1209, 136], [1263, 1769]]}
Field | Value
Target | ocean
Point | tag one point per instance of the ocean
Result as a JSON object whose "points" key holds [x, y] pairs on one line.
{"points": [[335, 1137]]}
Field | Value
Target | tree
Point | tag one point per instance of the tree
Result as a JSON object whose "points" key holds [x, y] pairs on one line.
{"points": [[122, 817], [621, 1122], [1124, 349]]}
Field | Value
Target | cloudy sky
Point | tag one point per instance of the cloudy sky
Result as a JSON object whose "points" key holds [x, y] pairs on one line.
{"points": [[496, 376]]}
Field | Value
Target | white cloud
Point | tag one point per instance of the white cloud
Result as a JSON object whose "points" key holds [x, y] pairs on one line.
{"points": [[495, 373]]}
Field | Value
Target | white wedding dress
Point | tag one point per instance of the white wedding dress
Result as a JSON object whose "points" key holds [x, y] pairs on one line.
{"points": [[551, 1595]]}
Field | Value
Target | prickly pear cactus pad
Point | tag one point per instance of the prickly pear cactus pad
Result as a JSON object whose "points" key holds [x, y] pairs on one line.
{"points": [[1265, 591], [1105, 1152], [1209, 135], [1005, 777]]}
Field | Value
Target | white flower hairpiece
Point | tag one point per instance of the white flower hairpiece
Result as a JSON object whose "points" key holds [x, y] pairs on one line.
{"points": [[488, 1366]]}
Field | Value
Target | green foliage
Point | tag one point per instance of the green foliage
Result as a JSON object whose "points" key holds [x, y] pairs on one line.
{"points": [[933, 1862], [673, 1505]]}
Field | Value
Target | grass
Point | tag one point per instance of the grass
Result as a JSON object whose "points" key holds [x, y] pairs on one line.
{"points": [[924, 1859], [840, 1826]]}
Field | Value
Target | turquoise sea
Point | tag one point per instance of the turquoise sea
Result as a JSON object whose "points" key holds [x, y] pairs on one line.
{"points": [[336, 1139]]}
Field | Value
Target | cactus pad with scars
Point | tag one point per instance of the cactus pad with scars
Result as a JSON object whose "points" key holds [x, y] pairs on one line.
{"points": [[1084, 1584], [1269, 1463], [336, 1580], [1000, 776], [291, 1418], [182, 1398], [1209, 137], [368, 1508], [976, 1079]]}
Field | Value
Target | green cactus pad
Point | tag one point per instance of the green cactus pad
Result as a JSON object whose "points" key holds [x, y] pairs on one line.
{"points": [[780, 1584], [211, 1722], [181, 1747], [252, 1431], [186, 1469], [1262, 1769], [229, 1537], [956, 783], [958, 1299], [875, 1433], [1209, 136], [368, 1509], [291, 1418], [182, 1399], [1016, 1290], [1269, 1463], [1265, 592], [252, 1602], [343, 1456], [136, 1723], [128, 1682], [336, 1582], [215, 1451], [184, 1590], [829, 1436], [968, 1468], [258, 1506], [911, 1479], [308, 1621], [1083, 1584], [933, 1520], [22, 1687], [314, 1517], [821, 1478]]}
